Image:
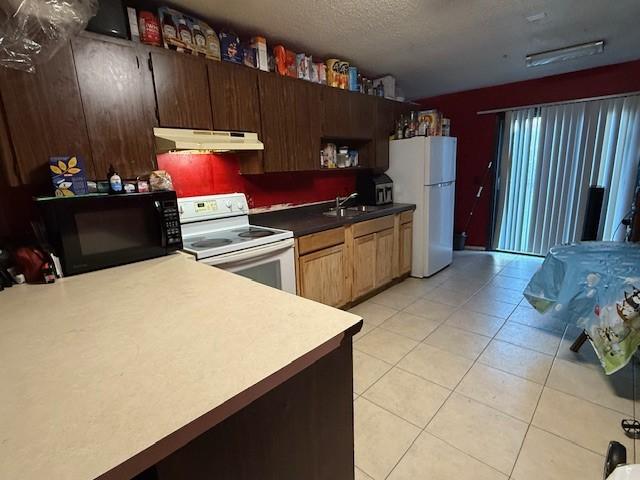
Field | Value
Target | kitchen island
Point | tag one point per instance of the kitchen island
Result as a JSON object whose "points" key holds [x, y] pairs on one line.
{"points": [[177, 370]]}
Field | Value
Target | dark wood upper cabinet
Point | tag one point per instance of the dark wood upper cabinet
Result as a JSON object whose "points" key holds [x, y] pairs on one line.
{"points": [[182, 90], [308, 114], [347, 115], [384, 127], [290, 117], [235, 99], [44, 118], [278, 122], [110, 75], [335, 113], [362, 109]]}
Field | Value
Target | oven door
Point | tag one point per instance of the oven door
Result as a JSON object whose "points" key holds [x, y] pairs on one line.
{"points": [[271, 264]]}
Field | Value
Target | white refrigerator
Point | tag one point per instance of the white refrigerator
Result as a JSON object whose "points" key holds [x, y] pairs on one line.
{"points": [[423, 170]]}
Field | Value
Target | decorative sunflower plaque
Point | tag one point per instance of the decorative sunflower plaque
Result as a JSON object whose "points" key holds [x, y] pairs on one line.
{"points": [[68, 175]]}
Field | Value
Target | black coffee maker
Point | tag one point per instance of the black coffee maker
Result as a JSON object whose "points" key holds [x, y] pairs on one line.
{"points": [[375, 189]]}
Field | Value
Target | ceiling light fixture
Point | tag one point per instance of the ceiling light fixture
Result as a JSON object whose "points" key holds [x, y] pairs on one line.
{"points": [[563, 54]]}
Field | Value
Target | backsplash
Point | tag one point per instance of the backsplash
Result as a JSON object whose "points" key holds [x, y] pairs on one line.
{"points": [[206, 174]]}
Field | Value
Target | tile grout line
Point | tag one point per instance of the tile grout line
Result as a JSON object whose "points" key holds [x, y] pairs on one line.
{"points": [[395, 365], [535, 410], [443, 403]]}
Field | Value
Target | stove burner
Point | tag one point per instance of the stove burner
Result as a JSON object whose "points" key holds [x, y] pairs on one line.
{"points": [[253, 232], [211, 243]]}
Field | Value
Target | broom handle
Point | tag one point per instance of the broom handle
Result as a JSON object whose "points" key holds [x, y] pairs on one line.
{"points": [[477, 199]]}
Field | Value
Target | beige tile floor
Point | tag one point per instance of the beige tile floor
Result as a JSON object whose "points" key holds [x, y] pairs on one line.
{"points": [[457, 377]]}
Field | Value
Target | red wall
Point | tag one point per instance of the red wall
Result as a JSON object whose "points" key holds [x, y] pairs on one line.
{"points": [[208, 174], [476, 133]]}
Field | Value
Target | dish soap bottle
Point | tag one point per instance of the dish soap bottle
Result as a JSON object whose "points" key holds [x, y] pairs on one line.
{"points": [[115, 181]]}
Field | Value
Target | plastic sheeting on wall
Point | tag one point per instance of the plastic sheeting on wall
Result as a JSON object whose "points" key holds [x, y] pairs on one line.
{"points": [[32, 31]]}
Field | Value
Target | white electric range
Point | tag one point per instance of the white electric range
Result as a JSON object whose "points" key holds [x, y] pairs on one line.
{"points": [[216, 231]]}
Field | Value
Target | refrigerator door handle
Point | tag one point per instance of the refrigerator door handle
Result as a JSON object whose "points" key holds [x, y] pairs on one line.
{"points": [[444, 184]]}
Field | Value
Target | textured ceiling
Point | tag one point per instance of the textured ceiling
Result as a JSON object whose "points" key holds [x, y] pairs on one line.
{"points": [[438, 46]]}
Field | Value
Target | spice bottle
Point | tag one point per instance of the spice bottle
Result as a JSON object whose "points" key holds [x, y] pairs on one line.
{"points": [[115, 181]]}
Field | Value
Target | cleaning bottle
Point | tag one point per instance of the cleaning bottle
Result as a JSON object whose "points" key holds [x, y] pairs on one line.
{"points": [[115, 181]]}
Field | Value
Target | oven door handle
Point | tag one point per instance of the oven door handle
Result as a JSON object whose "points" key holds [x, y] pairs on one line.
{"points": [[249, 254]]}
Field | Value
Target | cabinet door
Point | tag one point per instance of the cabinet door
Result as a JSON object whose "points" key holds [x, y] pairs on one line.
{"points": [[278, 122], [364, 265], [235, 100], [384, 257], [347, 115], [290, 124], [406, 239], [322, 276], [385, 124], [308, 118], [111, 85], [361, 115], [182, 91], [44, 118], [335, 113]]}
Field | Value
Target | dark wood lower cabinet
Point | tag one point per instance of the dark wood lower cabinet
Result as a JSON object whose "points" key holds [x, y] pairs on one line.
{"points": [[302, 429]]}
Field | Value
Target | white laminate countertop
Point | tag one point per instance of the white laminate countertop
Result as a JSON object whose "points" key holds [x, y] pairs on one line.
{"points": [[104, 372]]}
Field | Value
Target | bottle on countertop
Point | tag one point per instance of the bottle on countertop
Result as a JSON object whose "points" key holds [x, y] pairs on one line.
{"points": [[115, 181], [399, 125], [422, 126]]}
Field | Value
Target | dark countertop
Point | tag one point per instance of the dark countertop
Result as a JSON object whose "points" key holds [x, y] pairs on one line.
{"points": [[309, 219]]}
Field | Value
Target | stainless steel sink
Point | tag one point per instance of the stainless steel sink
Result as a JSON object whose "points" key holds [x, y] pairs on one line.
{"points": [[364, 208], [342, 212], [351, 211]]}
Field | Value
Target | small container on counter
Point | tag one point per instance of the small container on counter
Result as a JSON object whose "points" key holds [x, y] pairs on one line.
{"points": [[142, 185]]}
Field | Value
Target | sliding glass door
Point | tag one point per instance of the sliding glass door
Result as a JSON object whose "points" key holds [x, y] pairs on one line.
{"points": [[550, 157]]}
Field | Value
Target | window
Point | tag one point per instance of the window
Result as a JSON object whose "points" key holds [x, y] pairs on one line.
{"points": [[550, 157]]}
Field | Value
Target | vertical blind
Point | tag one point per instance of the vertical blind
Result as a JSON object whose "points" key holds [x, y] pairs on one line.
{"points": [[550, 156]]}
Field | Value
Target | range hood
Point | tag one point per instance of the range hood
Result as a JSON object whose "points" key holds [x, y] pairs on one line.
{"points": [[203, 141]]}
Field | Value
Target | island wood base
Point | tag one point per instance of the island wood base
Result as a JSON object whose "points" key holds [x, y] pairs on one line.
{"points": [[302, 429]]}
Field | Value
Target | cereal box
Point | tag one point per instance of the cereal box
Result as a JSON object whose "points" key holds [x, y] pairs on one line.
{"points": [[68, 176], [230, 48]]}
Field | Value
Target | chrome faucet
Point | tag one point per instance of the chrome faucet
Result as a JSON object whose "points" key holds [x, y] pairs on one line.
{"points": [[341, 201]]}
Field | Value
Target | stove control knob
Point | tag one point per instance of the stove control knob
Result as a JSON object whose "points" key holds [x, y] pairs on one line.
{"points": [[241, 206], [228, 204]]}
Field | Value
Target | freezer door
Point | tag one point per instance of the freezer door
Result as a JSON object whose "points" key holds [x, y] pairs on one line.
{"points": [[439, 226], [440, 163]]}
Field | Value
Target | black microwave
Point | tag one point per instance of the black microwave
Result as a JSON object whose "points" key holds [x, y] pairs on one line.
{"points": [[92, 232]]}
